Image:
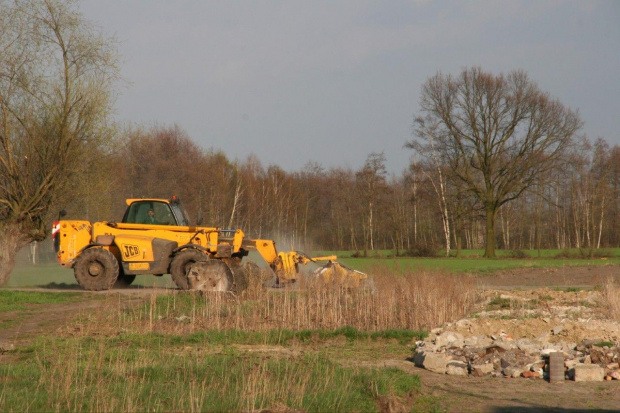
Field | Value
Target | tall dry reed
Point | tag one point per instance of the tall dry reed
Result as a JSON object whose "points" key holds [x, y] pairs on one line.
{"points": [[611, 298], [413, 301]]}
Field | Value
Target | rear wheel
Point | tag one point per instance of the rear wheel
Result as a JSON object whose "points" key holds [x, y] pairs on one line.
{"points": [[96, 269], [179, 267]]}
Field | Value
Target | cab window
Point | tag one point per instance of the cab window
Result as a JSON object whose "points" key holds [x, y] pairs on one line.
{"points": [[149, 212]]}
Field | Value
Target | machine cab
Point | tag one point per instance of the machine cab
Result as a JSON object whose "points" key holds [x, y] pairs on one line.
{"points": [[155, 212]]}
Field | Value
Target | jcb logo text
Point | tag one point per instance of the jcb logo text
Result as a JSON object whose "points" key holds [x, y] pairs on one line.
{"points": [[131, 250]]}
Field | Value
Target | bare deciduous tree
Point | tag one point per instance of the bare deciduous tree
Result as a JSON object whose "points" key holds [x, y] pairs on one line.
{"points": [[56, 78], [497, 134]]}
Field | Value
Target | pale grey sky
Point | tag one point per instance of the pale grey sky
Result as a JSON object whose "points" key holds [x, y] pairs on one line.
{"points": [[332, 81]]}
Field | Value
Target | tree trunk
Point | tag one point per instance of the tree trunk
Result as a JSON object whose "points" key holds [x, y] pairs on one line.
{"points": [[370, 224], [600, 225], [489, 251], [33, 252], [459, 235], [9, 245]]}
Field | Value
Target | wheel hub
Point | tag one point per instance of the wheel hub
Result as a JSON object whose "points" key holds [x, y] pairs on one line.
{"points": [[95, 269]]}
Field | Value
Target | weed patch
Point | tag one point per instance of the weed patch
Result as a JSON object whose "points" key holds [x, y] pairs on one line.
{"points": [[604, 344], [21, 300], [499, 303]]}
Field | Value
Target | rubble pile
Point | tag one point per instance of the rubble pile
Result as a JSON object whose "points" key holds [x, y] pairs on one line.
{"points": [[447, 351]]}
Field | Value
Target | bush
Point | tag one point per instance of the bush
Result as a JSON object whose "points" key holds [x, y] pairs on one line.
{"points": [[517, 254], [586, 253], [595, 253], [565, 254], [421, 250]]}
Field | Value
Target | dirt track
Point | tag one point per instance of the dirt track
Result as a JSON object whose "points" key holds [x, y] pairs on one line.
{"points": [[449, 392]]}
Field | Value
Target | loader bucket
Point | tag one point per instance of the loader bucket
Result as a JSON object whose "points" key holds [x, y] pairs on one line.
{"points": [[334, 272]]}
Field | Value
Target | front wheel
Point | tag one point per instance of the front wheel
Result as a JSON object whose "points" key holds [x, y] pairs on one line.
{"points": [[96, 269]]}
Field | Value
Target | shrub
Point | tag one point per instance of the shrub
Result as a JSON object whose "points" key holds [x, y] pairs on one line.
{"points": [[565, 254], [421, 250], [517, 254]]}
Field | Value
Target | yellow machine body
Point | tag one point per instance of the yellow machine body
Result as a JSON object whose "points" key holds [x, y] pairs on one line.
{"points": [[150, 248]]}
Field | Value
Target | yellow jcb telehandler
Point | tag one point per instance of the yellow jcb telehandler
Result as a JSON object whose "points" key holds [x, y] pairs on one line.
{"points": [[154, 237]]}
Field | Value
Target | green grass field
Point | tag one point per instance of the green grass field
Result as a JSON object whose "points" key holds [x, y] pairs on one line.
{"points": [[467, 265], [575, 253], [20, 300], [473, 263]]}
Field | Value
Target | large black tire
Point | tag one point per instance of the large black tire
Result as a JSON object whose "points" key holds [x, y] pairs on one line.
{"points": [[179, 267], [124, 280], [96, 269]]}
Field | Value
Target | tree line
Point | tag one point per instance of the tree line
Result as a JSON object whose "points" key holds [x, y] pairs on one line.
{"points": [[363, 209]]}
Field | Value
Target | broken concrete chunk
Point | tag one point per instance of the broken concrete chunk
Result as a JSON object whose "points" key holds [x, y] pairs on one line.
{"points": [[450, 339], [478, 341], [480, 370], [588, 372], [457, 368], [436, 362]]}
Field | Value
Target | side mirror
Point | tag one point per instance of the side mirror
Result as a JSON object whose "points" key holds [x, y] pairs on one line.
{"points": [[61, 214]]}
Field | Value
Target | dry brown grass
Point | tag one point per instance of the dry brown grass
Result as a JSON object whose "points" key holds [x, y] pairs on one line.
{"points": [[611, 298], [414, 302]]}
